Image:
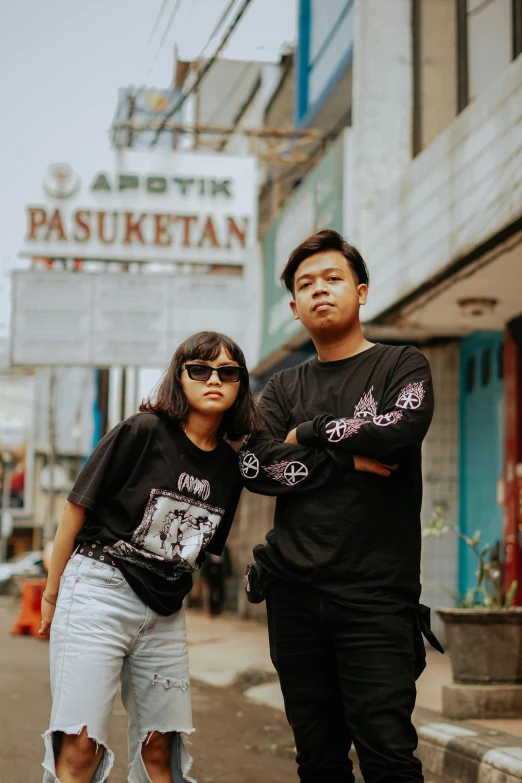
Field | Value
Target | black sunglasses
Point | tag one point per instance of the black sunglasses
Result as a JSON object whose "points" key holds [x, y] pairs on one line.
{"points": [[202, 372]]}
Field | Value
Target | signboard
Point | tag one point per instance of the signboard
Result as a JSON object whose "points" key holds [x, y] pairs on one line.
{"points": [[317, 203], [16, 445], [103, 319], [187, 207], [144, 104]]}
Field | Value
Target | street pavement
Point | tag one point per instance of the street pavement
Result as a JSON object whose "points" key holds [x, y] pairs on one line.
{"points": [[237, 738]]}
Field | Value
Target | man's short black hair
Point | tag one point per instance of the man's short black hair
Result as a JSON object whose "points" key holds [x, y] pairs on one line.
{"points": [[319, 242]]}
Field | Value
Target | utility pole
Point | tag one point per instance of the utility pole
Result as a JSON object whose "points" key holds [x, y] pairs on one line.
{"points": [[123, 393], [197, 118], [6, 523]]}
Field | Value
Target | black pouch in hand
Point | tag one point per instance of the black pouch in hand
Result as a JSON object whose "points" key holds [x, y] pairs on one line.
{"points": [[254, 583]]}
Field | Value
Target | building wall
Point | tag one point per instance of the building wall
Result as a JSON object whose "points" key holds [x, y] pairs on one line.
{"points": [[252, 116], [459, 192], [441, 480]]}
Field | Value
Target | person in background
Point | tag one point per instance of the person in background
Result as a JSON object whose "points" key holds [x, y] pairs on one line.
{"points": [[158, 493], [215, 571]]}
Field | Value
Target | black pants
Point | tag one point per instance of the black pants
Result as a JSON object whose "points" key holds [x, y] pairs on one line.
{"points": [[346, 676]]}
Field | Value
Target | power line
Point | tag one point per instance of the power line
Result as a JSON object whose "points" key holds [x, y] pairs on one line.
{"points": [[160, 13], [172, 16], [164, 4], [219, 23], [202, 73]]}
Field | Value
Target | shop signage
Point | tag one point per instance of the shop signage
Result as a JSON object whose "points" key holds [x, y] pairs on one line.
{"points": [[138, 206], [102, 319]]}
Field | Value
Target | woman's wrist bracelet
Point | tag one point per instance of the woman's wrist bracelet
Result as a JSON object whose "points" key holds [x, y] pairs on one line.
{"points": [[48, 599]]}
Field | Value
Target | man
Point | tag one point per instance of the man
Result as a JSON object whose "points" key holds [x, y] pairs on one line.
{"points": [[342, 453]]}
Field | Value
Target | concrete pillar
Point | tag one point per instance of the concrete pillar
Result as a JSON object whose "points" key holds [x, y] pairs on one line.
{"points": [[382, 105]]}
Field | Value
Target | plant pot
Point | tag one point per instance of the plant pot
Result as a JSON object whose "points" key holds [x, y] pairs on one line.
{"points": [[485, 644]]}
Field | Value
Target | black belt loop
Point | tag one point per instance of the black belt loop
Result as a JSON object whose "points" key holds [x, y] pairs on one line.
{"points": [[96, 551]]}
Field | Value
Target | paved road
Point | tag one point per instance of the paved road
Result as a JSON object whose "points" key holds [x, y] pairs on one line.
{"points": [[236, 741]]}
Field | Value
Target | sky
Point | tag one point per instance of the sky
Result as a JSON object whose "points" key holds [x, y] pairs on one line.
{"points": [[61, 63]]}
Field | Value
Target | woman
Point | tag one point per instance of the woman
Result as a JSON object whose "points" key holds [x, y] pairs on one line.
{"points": [[158, 491]]}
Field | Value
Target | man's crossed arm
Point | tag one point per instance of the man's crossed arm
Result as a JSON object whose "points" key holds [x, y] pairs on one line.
{"points": [[402, 423], [275, 462]]}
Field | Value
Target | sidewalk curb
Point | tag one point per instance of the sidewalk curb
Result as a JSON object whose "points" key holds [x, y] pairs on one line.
{"points": [[461, 751], [456, 751]]}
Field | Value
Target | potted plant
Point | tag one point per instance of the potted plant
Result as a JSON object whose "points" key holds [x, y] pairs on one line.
{"points": [[484, 630]]}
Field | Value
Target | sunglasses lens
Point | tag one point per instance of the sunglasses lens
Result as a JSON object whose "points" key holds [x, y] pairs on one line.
{"points": [[229, 374], [199, 372]]}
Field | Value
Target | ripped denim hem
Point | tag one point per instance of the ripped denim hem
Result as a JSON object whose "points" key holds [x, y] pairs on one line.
{"points": [[180, 758], [49, 764]]}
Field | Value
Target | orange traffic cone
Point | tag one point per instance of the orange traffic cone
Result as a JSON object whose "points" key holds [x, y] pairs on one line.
{"points": [[30, 616]]}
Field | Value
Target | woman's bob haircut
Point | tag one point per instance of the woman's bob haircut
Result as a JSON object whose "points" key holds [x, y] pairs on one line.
{"points": [[169, 400]]}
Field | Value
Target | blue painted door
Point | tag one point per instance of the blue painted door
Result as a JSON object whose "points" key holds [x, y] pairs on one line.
{"points": [[482, 444]]}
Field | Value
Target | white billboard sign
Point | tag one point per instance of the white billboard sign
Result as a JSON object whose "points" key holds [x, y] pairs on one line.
{"points": [[102, 320], [187, 207]]}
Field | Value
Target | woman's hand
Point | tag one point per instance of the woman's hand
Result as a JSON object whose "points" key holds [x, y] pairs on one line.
{"points": [[48, 610], [368, 465]]}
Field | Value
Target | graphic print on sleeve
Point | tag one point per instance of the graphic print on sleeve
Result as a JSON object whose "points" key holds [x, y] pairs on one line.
{"points": [[248, 465], [339, 429], [411, 396], [289, 473], [172, 534], [385, 419]]}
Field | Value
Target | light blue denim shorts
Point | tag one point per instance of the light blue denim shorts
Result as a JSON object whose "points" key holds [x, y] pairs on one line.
{"points": [[103, 635]]}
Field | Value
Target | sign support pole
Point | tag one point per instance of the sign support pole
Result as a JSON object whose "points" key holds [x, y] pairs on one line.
{"points": [[123, 392], [6, 522], [49, 527]]}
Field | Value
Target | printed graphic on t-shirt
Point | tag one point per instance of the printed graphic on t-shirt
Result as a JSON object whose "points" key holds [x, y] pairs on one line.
{"points": [[172, 534], [366, 408], [195, 486]]}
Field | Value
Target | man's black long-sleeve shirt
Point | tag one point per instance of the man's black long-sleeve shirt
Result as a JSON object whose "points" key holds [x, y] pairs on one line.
{"points": [[352, 535]]}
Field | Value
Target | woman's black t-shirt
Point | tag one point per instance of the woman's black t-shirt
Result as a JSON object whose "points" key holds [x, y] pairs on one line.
{"points": [[156, 502]]}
